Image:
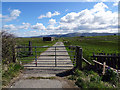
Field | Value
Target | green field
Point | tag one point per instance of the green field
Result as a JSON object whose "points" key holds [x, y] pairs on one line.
{"points": [[23, 55], [94, 44]]}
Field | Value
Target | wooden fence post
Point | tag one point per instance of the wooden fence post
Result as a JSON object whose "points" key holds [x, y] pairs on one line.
{"points": [[78, 57], [30, 48], [14, 54], [104, 68]]}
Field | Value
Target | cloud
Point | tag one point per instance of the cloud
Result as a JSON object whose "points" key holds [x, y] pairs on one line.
{"points": [[38, 26], [97, 18], [52, 21], [12, 27], [9, 27], [115, 4], [49, 15], [13, 15], [24, 26]]}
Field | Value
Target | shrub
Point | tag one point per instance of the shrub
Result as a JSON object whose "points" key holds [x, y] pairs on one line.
{"points": [[8, 43], [110, 76], [78, 73]]}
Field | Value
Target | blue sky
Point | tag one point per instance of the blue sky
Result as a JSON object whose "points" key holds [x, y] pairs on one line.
{"points": [[43, 18]]}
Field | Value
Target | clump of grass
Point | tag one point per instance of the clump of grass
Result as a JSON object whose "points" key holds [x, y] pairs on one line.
{"points": [[89, 79], [13, 71], [40, 78], [111, 76]]}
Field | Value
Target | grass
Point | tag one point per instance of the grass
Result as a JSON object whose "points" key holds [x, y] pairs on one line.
{"points": [[14, 68], [90, 45], [95, 44], [89, 79], [13, 71], [24, 57]]}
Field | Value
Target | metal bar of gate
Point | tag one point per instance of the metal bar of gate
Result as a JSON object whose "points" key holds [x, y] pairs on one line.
{"points": [[55, 58], [35, 57]]}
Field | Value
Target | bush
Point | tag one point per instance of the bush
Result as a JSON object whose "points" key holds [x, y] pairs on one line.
{"points": [[111, 76], [12, 71], [8, 43], [89, 79]]}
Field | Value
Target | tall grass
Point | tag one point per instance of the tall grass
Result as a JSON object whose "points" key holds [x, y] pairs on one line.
{"points": [[95, 44], [23, 56]]}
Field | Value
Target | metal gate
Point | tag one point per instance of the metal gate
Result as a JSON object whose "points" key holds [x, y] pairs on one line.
{"points": [[35, 54]]}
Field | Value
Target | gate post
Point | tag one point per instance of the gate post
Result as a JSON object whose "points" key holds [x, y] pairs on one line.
{"points": [[35, 56], [55, 57], [14, 54], [78, 57], [30, 48]]}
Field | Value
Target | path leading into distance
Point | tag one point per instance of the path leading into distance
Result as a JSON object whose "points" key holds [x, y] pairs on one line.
{"points": [[46, 68]]}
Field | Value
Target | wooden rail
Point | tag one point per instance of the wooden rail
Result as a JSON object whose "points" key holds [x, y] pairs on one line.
{"points": [[86, 61], [96, 62], [112, 60]]}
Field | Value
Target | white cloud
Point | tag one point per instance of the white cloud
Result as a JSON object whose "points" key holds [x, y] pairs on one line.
{"points": [[97, 18], [38, 26], [24, 26], [52, 21], [13, 15], [9, 27], [49, 15], [115, 4]]}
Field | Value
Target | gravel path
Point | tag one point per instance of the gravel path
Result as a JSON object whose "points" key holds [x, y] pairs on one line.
{"points": [[44, 76]]}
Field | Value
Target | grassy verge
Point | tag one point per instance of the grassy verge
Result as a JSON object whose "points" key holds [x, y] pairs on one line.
{"points": [[13, 71], [90, 45], [23, 56], [91, 79], [95, 44]]}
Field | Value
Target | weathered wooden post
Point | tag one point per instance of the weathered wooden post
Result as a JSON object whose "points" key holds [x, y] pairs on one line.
{"points": [[78, 57], [30, 48], [104, 64], [14, 54]]}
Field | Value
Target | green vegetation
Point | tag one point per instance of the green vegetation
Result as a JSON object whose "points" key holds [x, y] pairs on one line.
{"points": [[90, 45], [10, 66], [91, 79], [95, 44], [13, 71], [23, 55]]}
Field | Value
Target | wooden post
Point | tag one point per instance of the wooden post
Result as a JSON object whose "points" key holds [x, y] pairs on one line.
{"points": [[55, 58], [78, 57], [30, 48], [104, 68], [14, 54], [118, 61]]}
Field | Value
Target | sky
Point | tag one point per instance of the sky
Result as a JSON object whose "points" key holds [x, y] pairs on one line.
{"points": [[25, 19]]}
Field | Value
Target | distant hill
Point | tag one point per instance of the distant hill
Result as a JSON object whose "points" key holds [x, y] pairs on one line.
{"points": [[76, 34]]}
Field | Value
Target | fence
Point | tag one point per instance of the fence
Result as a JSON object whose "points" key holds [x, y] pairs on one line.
{"points": [[111, 60], [24, 53]]}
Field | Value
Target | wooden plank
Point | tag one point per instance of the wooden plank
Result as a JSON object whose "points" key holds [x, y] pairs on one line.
{"points": [[115, 62], [106, 56], [119, 62], [105, 66], [108, 60], [86, 61]]}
